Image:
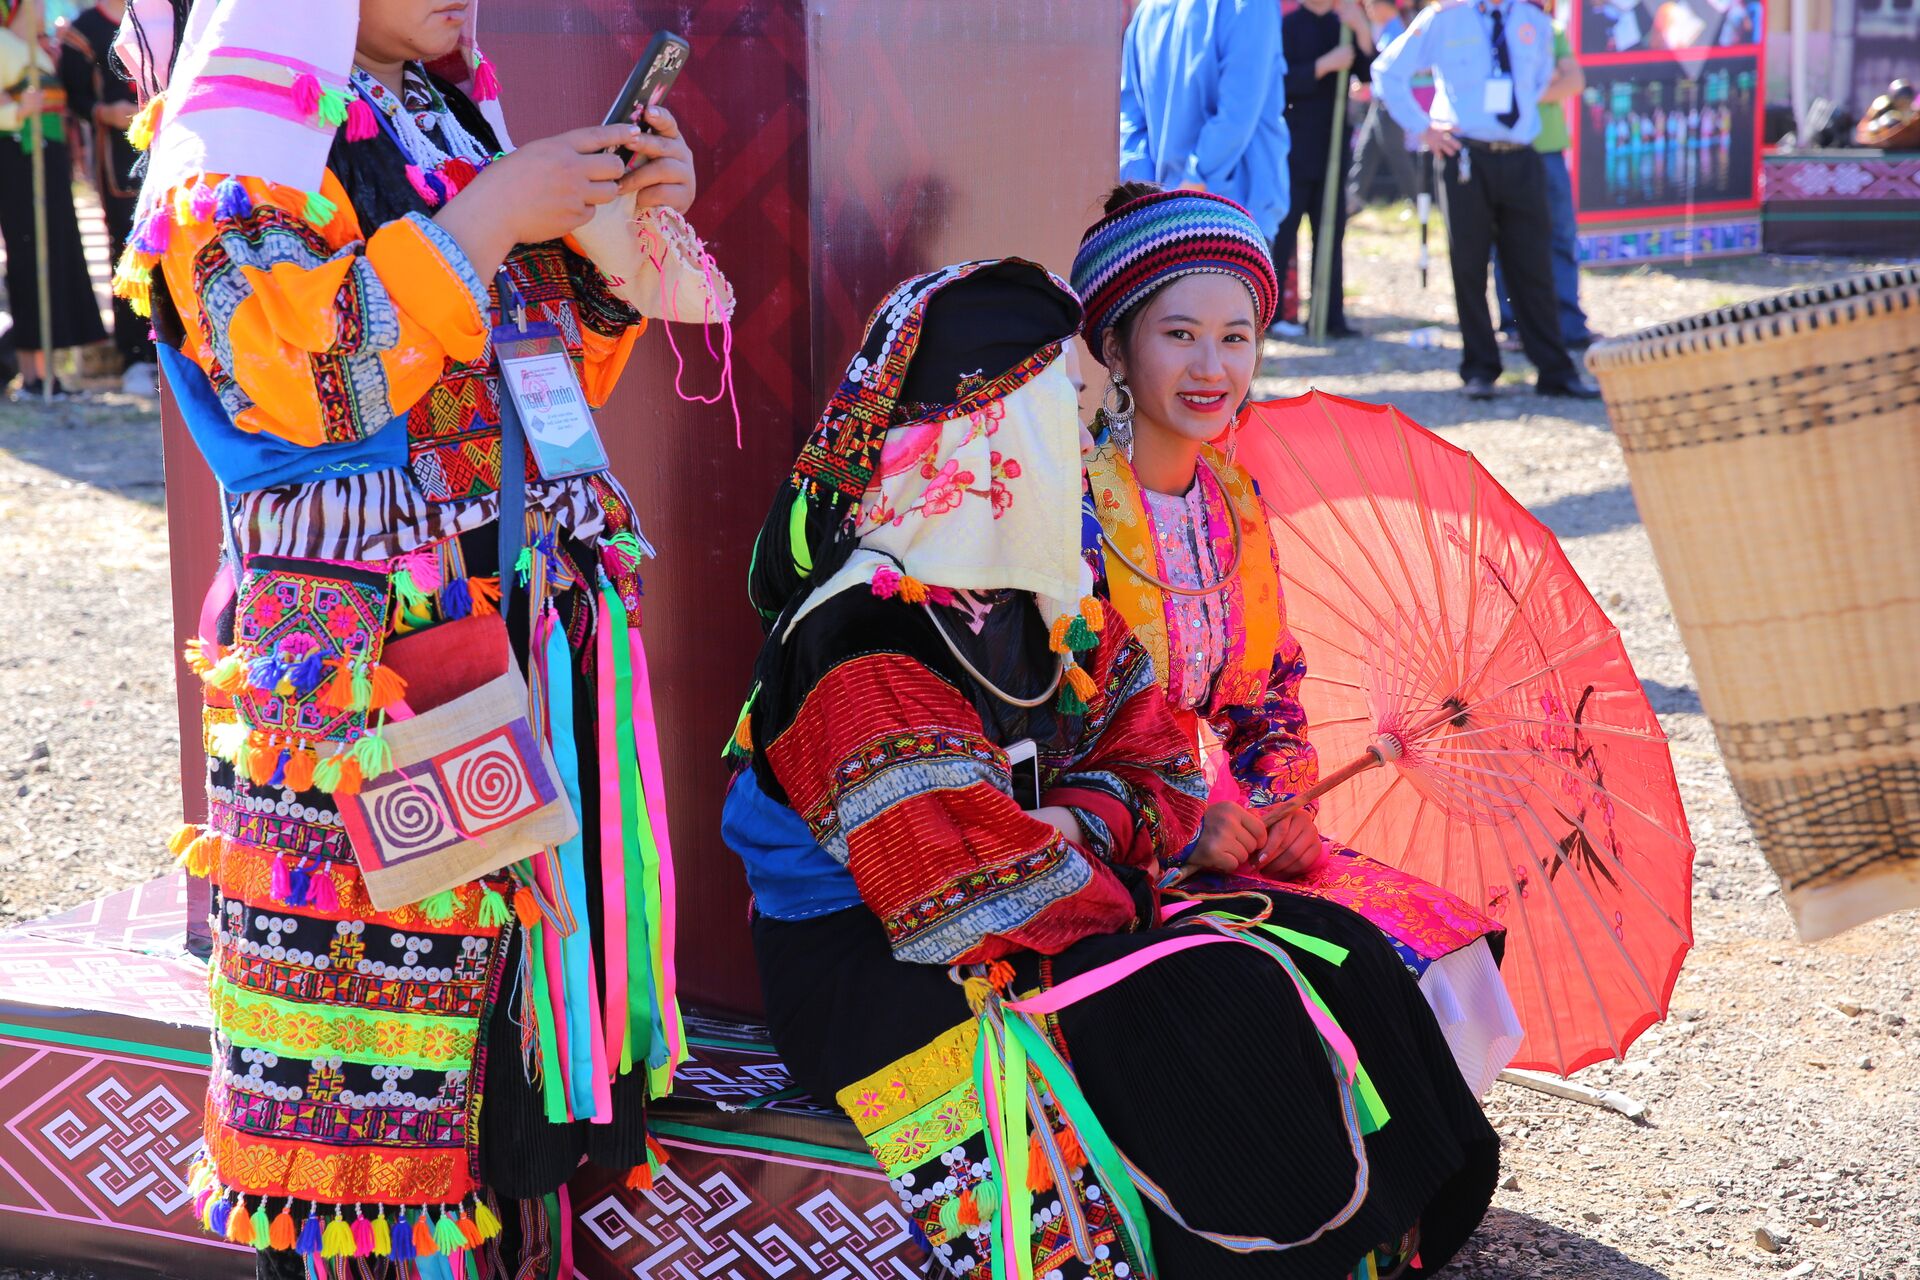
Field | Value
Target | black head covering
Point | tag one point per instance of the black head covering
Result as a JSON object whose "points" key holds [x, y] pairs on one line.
{"points": [[939, 346]]}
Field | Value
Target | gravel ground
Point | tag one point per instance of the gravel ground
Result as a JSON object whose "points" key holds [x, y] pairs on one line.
{"points": [[1782, 1095]]}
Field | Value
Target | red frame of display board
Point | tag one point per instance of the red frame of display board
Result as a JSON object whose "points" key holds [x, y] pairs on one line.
{"points": [[1709, 211]]}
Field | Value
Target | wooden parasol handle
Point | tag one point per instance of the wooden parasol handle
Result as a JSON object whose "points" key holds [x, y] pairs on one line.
{"points": [[1371, 758]]}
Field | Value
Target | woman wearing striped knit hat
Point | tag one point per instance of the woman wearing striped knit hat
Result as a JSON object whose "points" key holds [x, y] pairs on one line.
{"points": [[1178, 288], [1256, 1088]]}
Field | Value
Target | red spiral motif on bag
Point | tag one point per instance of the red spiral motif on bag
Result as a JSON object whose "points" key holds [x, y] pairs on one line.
{"points": [[489, 786]]}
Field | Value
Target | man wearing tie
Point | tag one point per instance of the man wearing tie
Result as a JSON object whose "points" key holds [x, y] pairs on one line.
{"points": [[1491, 60]]}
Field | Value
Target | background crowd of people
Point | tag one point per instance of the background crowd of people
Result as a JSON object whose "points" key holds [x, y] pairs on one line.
{"points": [[1249, 99], [63, 73]]}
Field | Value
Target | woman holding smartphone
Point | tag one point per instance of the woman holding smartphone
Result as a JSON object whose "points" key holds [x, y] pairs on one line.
{"points": [[329, 229]]}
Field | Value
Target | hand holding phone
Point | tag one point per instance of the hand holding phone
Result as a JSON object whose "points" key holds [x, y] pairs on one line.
{"points": [[651, 77]]}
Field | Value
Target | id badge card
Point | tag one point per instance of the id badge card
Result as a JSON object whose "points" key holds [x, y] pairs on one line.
{"points": [[537, 375], [1499, 97]]}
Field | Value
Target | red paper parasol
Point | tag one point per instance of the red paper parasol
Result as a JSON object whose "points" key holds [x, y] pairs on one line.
{"points": [[1501, 744]]}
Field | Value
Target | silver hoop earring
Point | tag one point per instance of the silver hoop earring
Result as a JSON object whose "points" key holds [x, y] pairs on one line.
{"points": [[1119, 417]]}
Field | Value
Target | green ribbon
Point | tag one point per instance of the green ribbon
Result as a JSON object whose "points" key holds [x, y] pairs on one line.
{"points": [[1110, 1169], [553, 1089], [646, 965]]}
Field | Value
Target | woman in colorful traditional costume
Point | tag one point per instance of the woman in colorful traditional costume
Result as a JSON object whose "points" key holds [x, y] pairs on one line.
{"points": [[1058, 1079], [76, 319], [1178, 287], [443, 929]]}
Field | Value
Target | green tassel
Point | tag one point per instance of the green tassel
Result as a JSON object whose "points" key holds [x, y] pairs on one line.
{"points": [[333, 107], [523, 567], [1080, 636], [362, 687], [447, 1234], [375, 757], [493, 908], [950, 1218], [986, 1198], [326, 774], [319, 210], [414, 602], [262, 1229], [440, 907], [1070, 703]]}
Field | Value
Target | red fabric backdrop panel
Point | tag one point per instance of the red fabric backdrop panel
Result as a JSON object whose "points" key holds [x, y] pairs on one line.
{"points": [[742, 102], [944, 130]]}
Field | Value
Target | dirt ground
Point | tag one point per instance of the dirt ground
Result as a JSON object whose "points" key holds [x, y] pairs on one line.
{"points": [[1783, 1094]]}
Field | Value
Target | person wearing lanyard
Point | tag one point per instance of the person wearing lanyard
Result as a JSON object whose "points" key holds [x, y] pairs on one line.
{"points": [[1491, 60]]}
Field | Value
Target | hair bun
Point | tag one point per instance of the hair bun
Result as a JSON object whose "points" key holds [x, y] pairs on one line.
{"points": [[1126, 193]]}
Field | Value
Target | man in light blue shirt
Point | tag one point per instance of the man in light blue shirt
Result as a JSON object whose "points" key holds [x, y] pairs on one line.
{"points": [[1203, 102], [1491, 60]]}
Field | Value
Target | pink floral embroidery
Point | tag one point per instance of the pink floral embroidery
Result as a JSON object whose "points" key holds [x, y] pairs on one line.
{"points": [[948, 490]]}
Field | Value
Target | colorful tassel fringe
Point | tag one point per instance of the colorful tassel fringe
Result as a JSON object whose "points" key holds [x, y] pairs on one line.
{"points": [[362, 124], [493, 908], [319, 210], [486, 84], [141, 130], [306, 94], [231, 201]]}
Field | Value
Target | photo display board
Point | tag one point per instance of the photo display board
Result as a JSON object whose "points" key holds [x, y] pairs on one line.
{"points": [[1666, 135]]}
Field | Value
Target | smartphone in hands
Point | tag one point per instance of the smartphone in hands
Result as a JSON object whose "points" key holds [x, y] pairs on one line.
{"points": [[651, 77], [1024, 757]]}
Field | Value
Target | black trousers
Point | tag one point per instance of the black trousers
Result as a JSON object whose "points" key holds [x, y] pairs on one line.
{"points": [[1308, 195], [76, 315], [1503, 203]]}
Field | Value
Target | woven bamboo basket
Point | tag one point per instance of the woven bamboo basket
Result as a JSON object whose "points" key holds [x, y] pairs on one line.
{"points": [[1774, 449]]}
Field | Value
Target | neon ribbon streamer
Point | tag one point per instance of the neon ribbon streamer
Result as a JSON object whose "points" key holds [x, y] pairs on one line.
{"points": [[613, 875], [646, 735], [587, 1065], [646, 1040], [553, 1084]]}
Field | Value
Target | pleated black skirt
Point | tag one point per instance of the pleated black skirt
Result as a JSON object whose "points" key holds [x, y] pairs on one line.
{"points": [[1205, 1070]]}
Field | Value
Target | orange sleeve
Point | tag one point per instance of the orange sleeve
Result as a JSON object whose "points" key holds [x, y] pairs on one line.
{"points": [[311, 331]]}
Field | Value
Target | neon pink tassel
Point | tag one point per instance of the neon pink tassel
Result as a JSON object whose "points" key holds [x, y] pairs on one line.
{"points": [[322, 895], [282, 881], [486, 85], [361, 122], [306, 94], [362, 1238], [418, 178], [204, 201], [886, 582]]}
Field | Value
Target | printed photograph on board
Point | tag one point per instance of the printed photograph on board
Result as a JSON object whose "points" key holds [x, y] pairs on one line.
{"points": [[1656, 136]]}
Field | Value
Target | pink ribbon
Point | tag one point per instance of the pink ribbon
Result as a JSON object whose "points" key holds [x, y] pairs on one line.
{"points": [[1093, 981]]}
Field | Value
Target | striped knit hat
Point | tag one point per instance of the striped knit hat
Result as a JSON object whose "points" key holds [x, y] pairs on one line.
{"points": [[1142, 245]]}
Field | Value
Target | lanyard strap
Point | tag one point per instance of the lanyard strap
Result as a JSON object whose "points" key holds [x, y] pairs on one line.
{"points": [[513, 445]]}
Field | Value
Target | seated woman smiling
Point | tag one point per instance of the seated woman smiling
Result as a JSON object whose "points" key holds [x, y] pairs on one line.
{"points": [[1058, 1079]]}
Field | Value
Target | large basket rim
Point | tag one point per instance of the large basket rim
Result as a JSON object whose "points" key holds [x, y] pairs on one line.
{"points": [[1764, 319]]}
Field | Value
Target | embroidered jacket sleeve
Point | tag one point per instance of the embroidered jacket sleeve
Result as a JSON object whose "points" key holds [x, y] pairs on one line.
{"points": [[1131, 777], [1267, 745], [892, 769], [320, 335], [609, 326]]}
